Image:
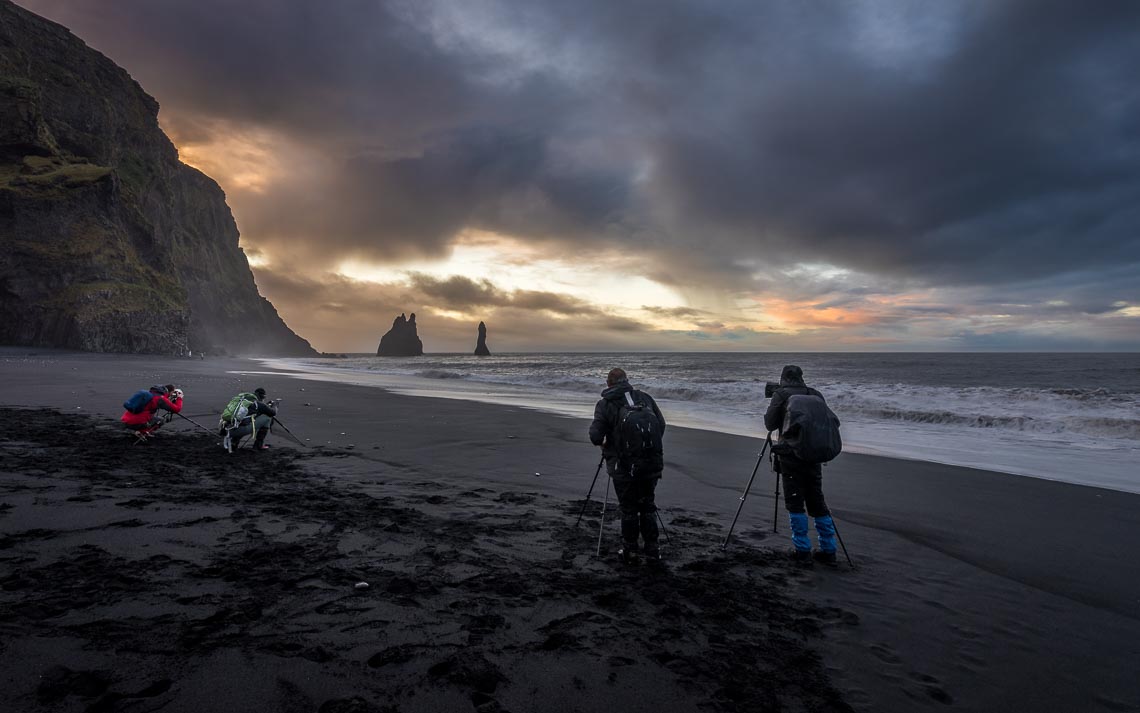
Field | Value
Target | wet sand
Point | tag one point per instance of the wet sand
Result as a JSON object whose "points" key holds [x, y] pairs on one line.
{"points": [[173, 576]]}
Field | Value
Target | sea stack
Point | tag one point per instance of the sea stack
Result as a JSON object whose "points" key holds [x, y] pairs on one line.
{"points": [[401, 339], [481, 346]]}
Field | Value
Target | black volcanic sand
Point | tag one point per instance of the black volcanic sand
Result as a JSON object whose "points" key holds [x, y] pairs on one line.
{"points": [[163, 566], [171, 576]]}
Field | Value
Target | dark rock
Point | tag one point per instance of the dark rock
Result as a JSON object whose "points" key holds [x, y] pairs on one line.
{"points": [[401, 339], [481, 346], [107, 241]]}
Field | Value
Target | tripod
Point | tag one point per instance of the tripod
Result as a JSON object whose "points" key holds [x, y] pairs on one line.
{"points": [[776, 511], [591, 491], [759, 460]]}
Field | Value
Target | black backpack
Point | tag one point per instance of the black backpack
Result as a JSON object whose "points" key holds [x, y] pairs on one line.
{"points": [[811, 430], [639, 438]]}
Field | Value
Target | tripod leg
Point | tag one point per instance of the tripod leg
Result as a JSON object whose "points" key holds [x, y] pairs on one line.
{"points": [[776, 505], [602, 525], [590, 492], [663, 531], [744, 495], [840, 538]]}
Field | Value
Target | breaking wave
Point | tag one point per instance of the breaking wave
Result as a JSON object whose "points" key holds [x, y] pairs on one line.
{"points": [[1031, 414]]}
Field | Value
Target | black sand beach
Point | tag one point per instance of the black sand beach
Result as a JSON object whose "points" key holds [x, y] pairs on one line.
{"points": [[172, 576]]}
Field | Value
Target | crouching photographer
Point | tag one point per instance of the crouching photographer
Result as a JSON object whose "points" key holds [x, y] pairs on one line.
{"points": [[809, 436]]}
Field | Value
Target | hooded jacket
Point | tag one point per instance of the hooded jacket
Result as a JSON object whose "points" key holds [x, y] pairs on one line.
{"points": [[791, 384], [603, 429]]}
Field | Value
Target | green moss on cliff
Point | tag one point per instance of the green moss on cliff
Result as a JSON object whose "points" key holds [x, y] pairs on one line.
{"points": [[93, 299], [135, 173], [70, 175], [42, 173], [39, 164]]}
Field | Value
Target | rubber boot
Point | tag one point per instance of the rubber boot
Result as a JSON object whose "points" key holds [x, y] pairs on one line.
{"points": [[799, 525], [825, 528]]}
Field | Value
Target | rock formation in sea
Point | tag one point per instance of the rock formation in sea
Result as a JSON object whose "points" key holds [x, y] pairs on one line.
{"points": [[107, 241], [481, 345], [401, 339]]}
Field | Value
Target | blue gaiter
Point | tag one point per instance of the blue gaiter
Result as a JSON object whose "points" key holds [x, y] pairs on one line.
{"points": [[825, 526], [799, 522]]}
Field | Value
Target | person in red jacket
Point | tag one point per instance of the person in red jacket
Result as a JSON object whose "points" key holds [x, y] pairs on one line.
{"points": [[146, 421]]}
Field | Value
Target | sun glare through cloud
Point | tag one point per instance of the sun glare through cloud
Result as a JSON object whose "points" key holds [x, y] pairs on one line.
{"points": [[238, 157], [512, 266]]}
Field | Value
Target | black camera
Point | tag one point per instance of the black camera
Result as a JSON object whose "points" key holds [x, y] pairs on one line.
{"points": [[770, 388]]}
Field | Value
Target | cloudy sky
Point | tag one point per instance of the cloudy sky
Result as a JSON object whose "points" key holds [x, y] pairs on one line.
{"points": [[759, 175]]}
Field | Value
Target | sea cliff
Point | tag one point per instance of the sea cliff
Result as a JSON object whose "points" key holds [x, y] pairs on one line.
{"points": [[107, 241]]}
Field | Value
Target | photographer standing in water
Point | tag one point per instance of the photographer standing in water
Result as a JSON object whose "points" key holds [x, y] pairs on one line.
{"points": [[802, 479]]}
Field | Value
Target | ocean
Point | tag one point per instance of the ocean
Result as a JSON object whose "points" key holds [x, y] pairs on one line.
{"points": [[1068, 417]]}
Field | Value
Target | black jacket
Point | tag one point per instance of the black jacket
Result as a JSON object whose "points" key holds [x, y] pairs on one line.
{"points": [[791, 384], [603, 429]]}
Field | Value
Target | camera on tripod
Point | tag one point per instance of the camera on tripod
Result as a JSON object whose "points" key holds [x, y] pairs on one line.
{"points": [[770, 388]]}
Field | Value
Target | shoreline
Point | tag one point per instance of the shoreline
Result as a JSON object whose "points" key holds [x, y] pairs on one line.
{"points": [[1067, 462], [970, 587]]}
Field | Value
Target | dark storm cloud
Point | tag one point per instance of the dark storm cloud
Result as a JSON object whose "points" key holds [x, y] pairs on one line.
{"points": [[465, 293], [936, 145], [353, 66], [989, 165], [473, 179]]}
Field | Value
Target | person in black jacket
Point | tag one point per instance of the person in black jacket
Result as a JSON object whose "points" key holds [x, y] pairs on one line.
{"points": [[635, 494], [803, 482], [258, 422]]}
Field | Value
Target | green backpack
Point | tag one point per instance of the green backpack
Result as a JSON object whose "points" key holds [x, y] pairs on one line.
{"points": [[237, 409]]}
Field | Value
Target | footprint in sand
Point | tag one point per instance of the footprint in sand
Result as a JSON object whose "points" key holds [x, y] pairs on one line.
{"points": [[351, 705], [1114, 704], [932, 687], [112, 700], [560, 640], [516, 498], [59, 682], [885, 654], [395, 654]]}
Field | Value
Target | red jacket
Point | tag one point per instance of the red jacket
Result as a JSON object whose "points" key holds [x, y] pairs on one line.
{"points": [[143, 417]]}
